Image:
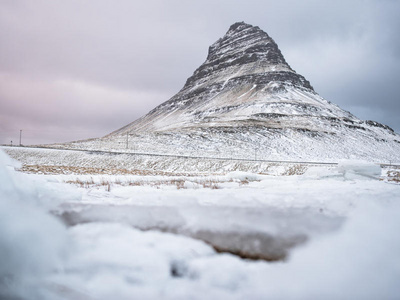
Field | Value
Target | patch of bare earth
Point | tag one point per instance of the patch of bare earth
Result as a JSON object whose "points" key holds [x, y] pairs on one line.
{"points": [[69, 170], [178, 183], [393, 176]]}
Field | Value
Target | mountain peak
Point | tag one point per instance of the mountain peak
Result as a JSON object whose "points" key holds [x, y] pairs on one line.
{"points": [[239, 26], [243, 50], [249, 43]]}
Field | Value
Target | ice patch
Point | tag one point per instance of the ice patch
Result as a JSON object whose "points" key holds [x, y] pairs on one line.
{"points": [[358, 168]]}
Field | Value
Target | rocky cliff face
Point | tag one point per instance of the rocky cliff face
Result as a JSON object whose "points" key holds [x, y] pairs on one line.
{"points": [[244, 97]]}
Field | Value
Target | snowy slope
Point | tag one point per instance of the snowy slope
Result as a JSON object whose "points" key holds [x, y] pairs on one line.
{"points": [[245, 99]]}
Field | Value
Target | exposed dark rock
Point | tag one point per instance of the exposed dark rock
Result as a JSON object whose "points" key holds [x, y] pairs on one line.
{"points": [[376, 124], [354, 127]]}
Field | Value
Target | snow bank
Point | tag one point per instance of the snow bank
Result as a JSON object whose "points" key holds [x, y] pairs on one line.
{"points": [[347, 169], [321, 173], [243, 176], [352, 168], [116, 261], [359, 262], [31, 241]]}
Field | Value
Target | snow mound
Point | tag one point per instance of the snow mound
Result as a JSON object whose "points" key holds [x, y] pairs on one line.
{"points": [[116, 261], [31, 241], [364, 255], [352, 168], [243, 176], [321, 173]]}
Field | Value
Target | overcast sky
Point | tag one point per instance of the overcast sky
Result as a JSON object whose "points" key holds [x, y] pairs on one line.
{"points": [[77, 69]]}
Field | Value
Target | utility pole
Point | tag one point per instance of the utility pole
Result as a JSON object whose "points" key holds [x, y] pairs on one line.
{"points": [[20, 138]]}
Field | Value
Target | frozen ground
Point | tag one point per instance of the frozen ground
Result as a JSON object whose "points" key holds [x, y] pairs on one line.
{"points": [[333, 233], [52, 161]]}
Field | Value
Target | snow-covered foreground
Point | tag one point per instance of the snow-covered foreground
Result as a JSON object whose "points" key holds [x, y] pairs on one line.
{"points": [[142, 237]]}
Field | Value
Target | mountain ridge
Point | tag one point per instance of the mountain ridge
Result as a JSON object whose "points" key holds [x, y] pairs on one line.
{"points": [[245, 96], [245, 54]]}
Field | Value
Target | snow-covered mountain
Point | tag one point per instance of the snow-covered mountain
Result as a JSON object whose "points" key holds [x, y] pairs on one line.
{"points": [[246, 101]]}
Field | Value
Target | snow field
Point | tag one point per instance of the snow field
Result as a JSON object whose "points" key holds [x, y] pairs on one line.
{"points": [[51, 161], [350, 223]]}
